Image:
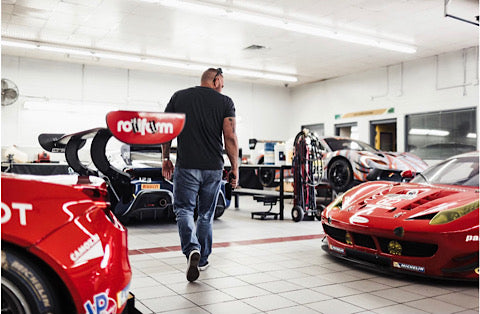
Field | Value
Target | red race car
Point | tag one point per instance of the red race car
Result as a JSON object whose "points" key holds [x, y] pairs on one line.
{"points": [[63, 250], [428, 226]]}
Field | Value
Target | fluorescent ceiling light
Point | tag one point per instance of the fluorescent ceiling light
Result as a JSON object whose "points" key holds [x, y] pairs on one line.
{"points": [[186, 65], [283, 23], [472, 135], [256, 74], [428, 132]]}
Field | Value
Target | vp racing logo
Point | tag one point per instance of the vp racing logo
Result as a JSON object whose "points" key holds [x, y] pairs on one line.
{"points": [[143, 126], [102, 304]]}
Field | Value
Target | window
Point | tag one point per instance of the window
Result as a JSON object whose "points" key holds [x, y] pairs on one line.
{"points": [[442, 134], [318, 129], [349, 130]]}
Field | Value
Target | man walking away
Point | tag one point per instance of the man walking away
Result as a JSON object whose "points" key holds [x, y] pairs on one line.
{"points": [[199, 165]]}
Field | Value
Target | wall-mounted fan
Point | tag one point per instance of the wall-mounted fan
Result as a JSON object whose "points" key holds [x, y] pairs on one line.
{"points": [[9, 92]]}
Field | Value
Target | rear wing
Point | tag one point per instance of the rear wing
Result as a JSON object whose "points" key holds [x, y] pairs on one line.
{"points": [[70, 145], [131, 127], [145, 128]]}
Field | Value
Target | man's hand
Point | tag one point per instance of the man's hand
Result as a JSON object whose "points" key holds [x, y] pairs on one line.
{"points": [[231, 147], [233, 178], [167, 169]]}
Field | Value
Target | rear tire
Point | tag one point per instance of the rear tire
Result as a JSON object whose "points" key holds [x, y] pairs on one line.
{"points": [[25, 287]]}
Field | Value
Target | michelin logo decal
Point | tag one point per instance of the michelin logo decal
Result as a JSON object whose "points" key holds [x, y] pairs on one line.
{"points": [[419, 269]]}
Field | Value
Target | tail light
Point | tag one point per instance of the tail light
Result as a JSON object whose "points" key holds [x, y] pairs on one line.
{"points": [[99, 196], [95, 192]]}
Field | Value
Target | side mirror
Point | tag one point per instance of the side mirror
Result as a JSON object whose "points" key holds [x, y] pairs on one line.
{"points": [[407, 175]]}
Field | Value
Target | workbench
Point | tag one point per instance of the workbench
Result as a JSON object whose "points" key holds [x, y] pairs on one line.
{"points": [[280, 195]]}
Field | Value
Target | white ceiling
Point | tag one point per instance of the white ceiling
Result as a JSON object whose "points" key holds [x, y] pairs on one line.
{"points": [[154, 30]]}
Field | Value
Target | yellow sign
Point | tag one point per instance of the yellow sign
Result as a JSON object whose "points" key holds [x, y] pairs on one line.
{"points": [[365, 113], [150, 186]]}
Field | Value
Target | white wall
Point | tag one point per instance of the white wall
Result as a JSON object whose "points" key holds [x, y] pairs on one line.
{"points": [[82, 94], [449, 81]]}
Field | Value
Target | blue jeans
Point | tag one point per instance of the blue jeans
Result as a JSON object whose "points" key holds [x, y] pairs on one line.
{"points": [[187, 184]]}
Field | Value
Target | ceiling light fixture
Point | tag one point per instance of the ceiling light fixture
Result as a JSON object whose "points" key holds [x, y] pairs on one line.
{"points": [[282, 23], [74, 51]]}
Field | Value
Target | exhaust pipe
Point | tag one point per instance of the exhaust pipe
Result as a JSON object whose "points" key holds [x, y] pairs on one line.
{"points": [[163, 203]]}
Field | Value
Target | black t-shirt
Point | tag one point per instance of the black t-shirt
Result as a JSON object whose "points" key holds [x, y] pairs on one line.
{"points": [[200, 144]]}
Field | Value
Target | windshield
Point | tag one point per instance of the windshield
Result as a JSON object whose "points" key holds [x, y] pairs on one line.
{"points": [[347, 143], [455, 171]]}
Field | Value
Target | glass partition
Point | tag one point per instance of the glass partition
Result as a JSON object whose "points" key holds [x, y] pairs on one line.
{"points": [[441, 134]]}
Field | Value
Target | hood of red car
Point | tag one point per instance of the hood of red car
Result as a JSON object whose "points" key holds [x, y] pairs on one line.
{"points": [[376, 201]]}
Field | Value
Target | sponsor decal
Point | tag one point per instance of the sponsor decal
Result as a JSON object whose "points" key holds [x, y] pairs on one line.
{"points": [[389, 201], [22, 211], [336, 249], [150, 186], [102, 304], [122, 296], [358, 219], [384, 203], [90, 249], [143, 126], [473, 238], [418, 269], [410, 195], [134, 127]]}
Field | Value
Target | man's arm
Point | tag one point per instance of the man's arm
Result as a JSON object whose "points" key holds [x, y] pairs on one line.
{"points": [[167, 166], [231, 146]]}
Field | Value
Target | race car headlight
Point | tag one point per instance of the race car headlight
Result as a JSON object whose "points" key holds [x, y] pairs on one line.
{"points": [[450, 215], [395, 248], [336, 204]]}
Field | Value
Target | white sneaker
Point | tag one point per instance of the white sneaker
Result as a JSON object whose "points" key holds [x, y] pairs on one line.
{"points": [[204, 266], [192, 265]]}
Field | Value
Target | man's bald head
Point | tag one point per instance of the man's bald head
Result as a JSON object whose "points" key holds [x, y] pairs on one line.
{"points": [[213, 78]]}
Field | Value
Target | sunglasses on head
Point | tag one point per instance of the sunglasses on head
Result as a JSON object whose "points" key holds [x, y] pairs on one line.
{"points": [[219, 72]]}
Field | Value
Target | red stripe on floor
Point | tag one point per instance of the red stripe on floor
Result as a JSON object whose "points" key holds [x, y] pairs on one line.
{"points": [[227, 244]]}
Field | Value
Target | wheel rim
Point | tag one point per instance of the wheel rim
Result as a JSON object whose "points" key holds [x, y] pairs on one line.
{"points": [[339, 175], [13, 301]]}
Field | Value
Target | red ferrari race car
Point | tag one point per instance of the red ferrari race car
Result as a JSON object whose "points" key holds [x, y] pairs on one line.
{"points": [[428, 226]]}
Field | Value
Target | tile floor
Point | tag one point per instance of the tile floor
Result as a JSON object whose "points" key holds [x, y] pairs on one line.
{"points": [[274, 266]]}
